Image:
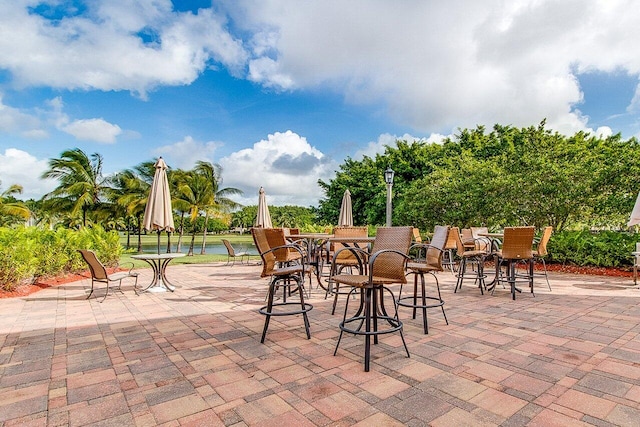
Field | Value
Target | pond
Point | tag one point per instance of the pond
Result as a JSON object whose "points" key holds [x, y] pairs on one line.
{"points": [[213, 247]]}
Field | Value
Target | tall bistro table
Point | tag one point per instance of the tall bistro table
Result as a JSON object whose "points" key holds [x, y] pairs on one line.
{"points": [[159, 263], [313, 242], [496, 241]]}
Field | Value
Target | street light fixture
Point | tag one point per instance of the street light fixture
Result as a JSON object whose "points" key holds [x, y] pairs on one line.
{"points": [[388, 178]]}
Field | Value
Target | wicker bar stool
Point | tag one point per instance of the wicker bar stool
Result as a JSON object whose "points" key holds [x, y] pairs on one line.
{"points": [[431, 264], [468, 257], [386, 266], [517, 246], [290, 278]]}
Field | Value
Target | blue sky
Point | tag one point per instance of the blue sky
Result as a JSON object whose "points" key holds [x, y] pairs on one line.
{"points": [[279, 93]]}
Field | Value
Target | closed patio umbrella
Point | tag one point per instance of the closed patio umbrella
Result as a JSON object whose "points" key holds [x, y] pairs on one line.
{"points": [[158, 214], [346, 212], [263, 219], [635, 214]]}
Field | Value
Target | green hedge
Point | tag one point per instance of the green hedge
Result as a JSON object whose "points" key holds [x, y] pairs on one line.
{"points": [[27, 253], [598, 249]]}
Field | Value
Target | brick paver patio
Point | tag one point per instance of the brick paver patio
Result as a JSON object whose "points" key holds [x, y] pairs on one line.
{"points": [[566, 357]]}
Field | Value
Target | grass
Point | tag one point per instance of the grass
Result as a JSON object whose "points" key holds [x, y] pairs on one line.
{"points": [[151, 239]]}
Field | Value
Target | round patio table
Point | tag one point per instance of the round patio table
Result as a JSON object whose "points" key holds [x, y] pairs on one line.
{"points": [[159, 263]]}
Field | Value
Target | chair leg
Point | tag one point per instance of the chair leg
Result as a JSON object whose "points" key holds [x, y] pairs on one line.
{"points": [[106, 293], [546, 276], [91, 291], [303, 307], [272, 288]]}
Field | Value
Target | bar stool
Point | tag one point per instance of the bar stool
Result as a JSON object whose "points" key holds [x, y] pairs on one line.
{"points": [[431, 264], [477, 257], [386, 266], [290, 278]]}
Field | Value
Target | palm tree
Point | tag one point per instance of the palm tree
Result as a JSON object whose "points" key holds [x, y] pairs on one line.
{"points": [[131, 190], [10, 207], [192, 191], [81, 185], [220, 201]]}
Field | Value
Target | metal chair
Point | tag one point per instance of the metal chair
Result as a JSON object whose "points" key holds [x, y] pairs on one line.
{"points": [[232, 254], [289, 278], [345, 259], [99, 273], [541, 252], [386, 265], [467, 257], [431, 264], [517, 246]]}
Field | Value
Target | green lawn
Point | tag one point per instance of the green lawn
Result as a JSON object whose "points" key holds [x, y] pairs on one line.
{"points": [[151, 239]]}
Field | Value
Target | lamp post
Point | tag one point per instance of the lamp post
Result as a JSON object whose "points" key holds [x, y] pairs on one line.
{"points": [[388, 178]]}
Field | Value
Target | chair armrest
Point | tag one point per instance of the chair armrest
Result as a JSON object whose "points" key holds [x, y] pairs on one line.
{"points": [[125, 266]]}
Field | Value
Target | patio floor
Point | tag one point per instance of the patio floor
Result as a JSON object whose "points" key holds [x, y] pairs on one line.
{"points": [[566, 357]]}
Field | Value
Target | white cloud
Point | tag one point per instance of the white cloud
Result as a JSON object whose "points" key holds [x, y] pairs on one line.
{"points": [[184, 154], [20, 167], [441, 65], [103, 48], [285, 164], [97, 130]]}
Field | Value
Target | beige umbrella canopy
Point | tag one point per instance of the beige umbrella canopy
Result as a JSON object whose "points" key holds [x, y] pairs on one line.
{"points": [[346, 211], [158, 214], [263, 219], [635, 214]]}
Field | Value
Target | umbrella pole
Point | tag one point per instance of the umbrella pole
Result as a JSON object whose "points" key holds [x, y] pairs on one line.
{"points": [[159, 242]]}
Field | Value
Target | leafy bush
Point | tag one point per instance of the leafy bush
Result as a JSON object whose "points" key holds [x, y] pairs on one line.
{"points": [[598, 249], [30, 252]]}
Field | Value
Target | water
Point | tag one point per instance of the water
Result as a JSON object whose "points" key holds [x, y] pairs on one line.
{"points": [[211, 248]]}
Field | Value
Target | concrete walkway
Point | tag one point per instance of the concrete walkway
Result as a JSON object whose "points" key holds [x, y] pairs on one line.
{"points": [[566, 357]]}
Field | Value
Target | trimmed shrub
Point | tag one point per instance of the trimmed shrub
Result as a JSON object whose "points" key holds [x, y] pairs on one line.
{"points": [[597, 249], [27, 253]]}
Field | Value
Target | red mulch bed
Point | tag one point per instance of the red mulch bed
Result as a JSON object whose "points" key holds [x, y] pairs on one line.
{"points": [[44, 282], [41, 283]]}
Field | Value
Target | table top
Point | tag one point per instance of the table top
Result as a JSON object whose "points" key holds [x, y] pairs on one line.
{"points": [[158, 256], [352, 239], [498, 235], [310, 235]]}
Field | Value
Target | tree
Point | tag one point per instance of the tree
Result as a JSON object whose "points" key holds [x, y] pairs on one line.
{"points": [[219, 201], [81, 185], [10, 208], [193, 192], [131, 191]]}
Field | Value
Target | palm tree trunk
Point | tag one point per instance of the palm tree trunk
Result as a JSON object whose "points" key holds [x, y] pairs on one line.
{"points": [[204, 234], [128, 233], [139, 234], [181, 228], [193, 239]]}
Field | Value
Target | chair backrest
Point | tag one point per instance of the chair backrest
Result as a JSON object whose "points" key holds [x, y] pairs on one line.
{"points": [[451, 240], [98, 271], [437, 246], [454, 232], [475, 231], [294, 231], [391, 266], [466, 234], [342, 232], [542, 246], [262, 245], [276, 237], [518, 242], [230, 250], [416, 235]]}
